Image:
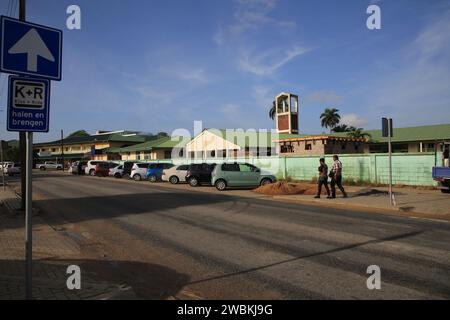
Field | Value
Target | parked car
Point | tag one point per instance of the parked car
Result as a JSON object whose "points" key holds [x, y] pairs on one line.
{"points": [[175, 174], [127, 166], [239, 175], [155, 171], [78, 167], [12, 169], [101, 169], [116, 172], [5, 164], [49, 165], [199, 173], [139, 171], [91, 165]]}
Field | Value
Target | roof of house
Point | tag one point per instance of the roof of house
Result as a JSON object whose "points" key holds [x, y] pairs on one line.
{"points": [[265, 138], [421, 133], [161, 143], [114, 137]]}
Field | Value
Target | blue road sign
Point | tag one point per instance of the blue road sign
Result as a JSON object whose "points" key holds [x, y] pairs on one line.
{"points": [[30, 49], [28, 104]]}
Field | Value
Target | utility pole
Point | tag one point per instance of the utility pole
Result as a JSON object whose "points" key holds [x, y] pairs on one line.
{"points": [[62, 148]]}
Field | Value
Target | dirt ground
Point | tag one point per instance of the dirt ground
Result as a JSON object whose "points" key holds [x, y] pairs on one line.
{"points": [[288, 188]]}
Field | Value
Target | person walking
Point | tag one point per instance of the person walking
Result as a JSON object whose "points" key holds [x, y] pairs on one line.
{"points": [[336, 177], [323, 179]]}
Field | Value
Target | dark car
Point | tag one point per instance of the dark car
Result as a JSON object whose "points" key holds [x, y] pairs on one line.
{"points": [[199, 173], [102, 169], [78, 167], [127, 168]]}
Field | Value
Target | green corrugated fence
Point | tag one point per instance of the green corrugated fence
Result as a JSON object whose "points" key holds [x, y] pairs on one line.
{"points": [[407, 168]]}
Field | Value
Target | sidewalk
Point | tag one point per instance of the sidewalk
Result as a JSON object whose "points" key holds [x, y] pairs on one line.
{"points": [[53, 252], [431, 204]]}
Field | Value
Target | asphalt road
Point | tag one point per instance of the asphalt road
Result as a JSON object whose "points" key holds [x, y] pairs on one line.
{"points": [[192, 244]]}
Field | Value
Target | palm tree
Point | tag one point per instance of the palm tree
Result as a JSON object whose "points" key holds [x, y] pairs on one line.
{"points": [[272, 112], [330, 118], [358, 133], [340, 128]]}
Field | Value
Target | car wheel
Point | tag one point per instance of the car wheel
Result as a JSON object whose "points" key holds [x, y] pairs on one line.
{"points": [[173, 179], [193, 182], [137, 177], [42, 168], [152, 178], [117, 176], [92, 172], [265, 181], [220, 185]]}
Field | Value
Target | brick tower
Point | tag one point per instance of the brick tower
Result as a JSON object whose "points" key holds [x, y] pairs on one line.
{"points": [[286, 113]]}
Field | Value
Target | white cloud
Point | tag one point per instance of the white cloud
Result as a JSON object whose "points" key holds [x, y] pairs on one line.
{"points": [[250, 15], [354, 120], [266, 63], [417, 91], [323, 97]]}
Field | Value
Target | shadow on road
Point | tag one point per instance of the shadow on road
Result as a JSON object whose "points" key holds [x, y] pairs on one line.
{"points": [[99, 280]]}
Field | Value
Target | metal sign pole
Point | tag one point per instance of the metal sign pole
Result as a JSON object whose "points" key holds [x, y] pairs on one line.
{"points": [[28, 218], [3, 165], [390, 159]]}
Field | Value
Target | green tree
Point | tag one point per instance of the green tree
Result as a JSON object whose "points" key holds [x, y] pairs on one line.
{"points": [[330, 118], [340, 128], [281, 100], [272, 111], [358, 133], [78, 133]]}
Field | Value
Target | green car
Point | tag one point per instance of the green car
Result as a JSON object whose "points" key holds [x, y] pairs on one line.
{"points": [[239, 175]]}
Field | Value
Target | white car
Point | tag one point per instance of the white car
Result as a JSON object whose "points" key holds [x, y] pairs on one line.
{"points": [[139, 171], [5, 164], [12, 169], [49, 165], [175, 174], [116, 172]]}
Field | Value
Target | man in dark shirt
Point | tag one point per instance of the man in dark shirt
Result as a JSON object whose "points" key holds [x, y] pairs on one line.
{"points": [[323, 178]]}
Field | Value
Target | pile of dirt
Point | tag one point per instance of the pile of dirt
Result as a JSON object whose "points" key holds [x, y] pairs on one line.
{"points": [[286, 188]]}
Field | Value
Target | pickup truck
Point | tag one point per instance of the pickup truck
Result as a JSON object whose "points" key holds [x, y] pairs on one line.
{"points": [[442, 175], [49, 165]]}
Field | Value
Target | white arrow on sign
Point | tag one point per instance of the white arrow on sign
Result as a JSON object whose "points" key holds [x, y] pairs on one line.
{"points": [[31, 44]]}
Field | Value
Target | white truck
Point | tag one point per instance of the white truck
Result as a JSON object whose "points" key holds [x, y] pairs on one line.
{"points": [[49, 165]]}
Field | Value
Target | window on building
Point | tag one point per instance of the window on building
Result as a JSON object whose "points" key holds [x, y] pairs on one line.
{"points": [[287, 149], [167, 154], [308, 146], [343, 146], [53, 149], [429, 147]]}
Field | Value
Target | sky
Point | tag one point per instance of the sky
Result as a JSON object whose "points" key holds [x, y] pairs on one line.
{"points": [[161, 65]]}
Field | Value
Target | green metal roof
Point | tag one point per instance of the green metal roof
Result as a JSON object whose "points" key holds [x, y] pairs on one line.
{"points": [[422, 133], [114, 137], [161, 143]]}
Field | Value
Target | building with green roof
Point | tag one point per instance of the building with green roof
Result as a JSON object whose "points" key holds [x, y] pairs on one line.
{"points": [[162, 148], [411, 139], [92, 147]]}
